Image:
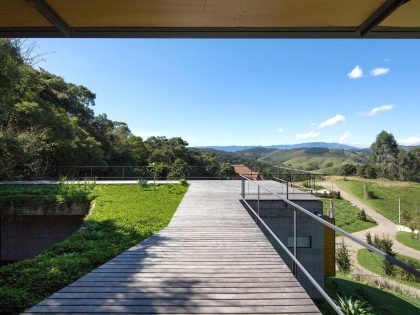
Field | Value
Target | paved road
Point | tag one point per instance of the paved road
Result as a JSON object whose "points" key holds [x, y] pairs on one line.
{"points": [[385, 227]]}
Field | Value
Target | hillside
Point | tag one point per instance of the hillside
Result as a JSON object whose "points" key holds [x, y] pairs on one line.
{"points": [[327, 145], [325, 160], [319, 159]]}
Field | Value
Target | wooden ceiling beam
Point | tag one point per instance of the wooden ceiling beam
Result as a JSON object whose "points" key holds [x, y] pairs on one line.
{"points": [[379, 15], [51, 15]]}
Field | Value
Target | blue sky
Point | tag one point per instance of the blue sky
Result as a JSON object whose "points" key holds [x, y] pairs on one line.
{"points": [[249, 92]]}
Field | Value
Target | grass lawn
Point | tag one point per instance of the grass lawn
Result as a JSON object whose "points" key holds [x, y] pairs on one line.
{"points": [[373, 263], [386, 196], [406, 239], [346, 216], [123, 216], [383, 301]]}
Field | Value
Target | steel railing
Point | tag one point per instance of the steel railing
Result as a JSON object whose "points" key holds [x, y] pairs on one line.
{"points": [[295, 262]]}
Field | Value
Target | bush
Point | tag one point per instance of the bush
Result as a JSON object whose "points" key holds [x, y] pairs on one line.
{"points": [[362, 215], [385, 244], [369, 238], [143, 183], [366, 171], [350, 306], [343, 258], [405, 275], [13, 300], [183, 182], [348, 170]]}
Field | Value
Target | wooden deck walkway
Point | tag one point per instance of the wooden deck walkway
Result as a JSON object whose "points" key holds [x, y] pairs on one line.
{"points": [[211, 259]]}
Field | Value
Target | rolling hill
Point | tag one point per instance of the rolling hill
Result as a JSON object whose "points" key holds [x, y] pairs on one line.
{"points": [[328, 161], [328, 145]]}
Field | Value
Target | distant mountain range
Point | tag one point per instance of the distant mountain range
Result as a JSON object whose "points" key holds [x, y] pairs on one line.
{"points": [[326, 145]]}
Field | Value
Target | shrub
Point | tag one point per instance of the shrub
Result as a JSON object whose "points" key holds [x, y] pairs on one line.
{"points": [[405, 275], [343, 258], [13, 300], [183, 182], [362, 215], [348, 170], [143, 183], [385, 244], [351, 306], [369, 238]]}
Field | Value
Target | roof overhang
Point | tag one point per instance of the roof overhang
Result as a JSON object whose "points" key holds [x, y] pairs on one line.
{"points": [[211, 18]]}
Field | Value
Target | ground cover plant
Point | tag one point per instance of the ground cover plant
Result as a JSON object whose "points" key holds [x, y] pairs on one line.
{"points": [[347, 216], [374, 263], [409, 239], [383, 301], [123, 216], [383, 196], [63, 192]]}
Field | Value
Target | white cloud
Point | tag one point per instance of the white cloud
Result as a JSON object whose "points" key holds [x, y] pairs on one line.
{"points": [[332, 121], [308, 135], [387, 59], [280, 130], [413, 140], [379, 71], [344, 137], [356, 73], [378, 109]]}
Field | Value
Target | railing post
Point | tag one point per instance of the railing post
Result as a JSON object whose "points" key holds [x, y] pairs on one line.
{"points": [[294, 267], [242, 187], [258, 203], [287, 190]]}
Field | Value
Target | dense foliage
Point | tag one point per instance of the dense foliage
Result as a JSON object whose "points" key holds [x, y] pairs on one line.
{"points": [[62, 193], [48, 125], [123, 216]]}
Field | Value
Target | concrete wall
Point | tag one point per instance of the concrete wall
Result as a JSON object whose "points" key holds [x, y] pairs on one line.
{"points": [[25, 236], [279, 218], [27, 229]]}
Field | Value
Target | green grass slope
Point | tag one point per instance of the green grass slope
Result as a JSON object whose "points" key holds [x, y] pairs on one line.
{"points": [[314, 159], [383, 301], [374, 263], [386, 195], [346, 216]]}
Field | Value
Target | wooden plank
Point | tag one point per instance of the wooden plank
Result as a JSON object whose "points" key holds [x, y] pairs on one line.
{"points": [[211, 259]]}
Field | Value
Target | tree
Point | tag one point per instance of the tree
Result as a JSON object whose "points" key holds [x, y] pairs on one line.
{"points": [[156, 169], [227, 170], [179, 169], [343, 257], [348, 170], [384, 152], [366, 170], [385, 244]]}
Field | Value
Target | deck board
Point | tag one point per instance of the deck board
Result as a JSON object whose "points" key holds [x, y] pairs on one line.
{"points": [[211, 259]]}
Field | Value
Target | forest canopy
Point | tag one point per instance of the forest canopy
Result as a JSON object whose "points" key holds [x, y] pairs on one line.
{"points": [[47, 123]]}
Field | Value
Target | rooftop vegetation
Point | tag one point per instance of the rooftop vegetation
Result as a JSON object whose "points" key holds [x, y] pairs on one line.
{"points": [[123, 216], [61, 193]]}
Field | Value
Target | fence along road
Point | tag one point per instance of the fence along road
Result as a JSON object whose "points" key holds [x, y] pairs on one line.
{"points": [[211, 259]]}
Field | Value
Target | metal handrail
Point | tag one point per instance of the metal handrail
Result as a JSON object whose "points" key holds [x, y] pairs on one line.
{"points": [[295, 206], [301, 171]]}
